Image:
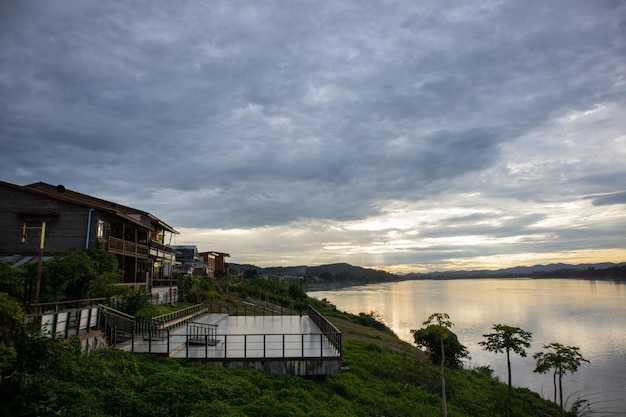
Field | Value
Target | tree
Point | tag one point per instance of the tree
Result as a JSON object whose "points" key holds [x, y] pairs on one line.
{"points": [[562, 359], [454, 351], [437, 330], [506, 339], [67, 276], [11, 319]]}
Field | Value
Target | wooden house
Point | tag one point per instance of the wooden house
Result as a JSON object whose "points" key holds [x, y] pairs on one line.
{"points": [[74, 221]]}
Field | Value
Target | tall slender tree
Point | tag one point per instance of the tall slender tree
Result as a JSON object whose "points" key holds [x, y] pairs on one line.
{"points": [[562, 359], [506, 339], [438, 327]]}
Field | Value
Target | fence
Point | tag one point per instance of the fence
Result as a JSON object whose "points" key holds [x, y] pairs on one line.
{"points": [[198, 340], [67, 318], [120, 327], [247, 309], [328, 329], [258, 346]]}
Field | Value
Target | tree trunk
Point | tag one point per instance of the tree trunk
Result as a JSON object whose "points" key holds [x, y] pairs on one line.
{"points": [[508, 400], [443, 381], [554, 383], [561, 391]]}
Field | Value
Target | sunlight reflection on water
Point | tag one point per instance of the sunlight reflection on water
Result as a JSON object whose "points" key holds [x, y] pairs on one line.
{"points": [[587, 314]]}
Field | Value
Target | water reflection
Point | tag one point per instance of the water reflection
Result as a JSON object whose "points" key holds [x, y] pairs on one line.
{"points": [[587, 314]]}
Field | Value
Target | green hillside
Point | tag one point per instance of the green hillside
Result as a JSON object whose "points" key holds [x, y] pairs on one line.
{"points": [[382, 376]]}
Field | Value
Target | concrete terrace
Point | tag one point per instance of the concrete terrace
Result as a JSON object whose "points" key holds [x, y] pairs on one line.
{"points": [[282, 344]]}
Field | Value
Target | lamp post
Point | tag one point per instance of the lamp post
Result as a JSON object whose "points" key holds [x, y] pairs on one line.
{"points": [[42, 238]]}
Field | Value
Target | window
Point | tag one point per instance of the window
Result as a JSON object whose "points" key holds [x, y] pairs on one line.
{"points": [[103, 229]]}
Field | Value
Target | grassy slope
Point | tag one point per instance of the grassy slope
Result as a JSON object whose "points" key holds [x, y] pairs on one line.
{"points": [[383, 376]]}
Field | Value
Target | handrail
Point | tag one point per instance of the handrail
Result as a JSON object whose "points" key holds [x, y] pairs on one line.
{"points": [[115, 312], [179, 313], [248, 309], [65, 323], [78, 303], [262, 346], [156, 336], [332, 333], [114, 322]]}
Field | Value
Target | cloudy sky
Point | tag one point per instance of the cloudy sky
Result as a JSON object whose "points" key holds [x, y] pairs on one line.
{"points": [[402, 135]]}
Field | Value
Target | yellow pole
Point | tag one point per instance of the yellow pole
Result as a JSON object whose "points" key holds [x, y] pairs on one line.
{"points": [[41, 246]]}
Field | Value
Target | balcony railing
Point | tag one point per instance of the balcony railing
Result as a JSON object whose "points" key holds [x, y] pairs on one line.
{"points": [[124, 247], [160, 250]]}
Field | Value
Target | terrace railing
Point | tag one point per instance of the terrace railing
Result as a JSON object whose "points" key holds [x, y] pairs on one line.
{"points": [[202, 341], [66, 319], [247, 309], [118, 326], [328, 329], [257, 346]]}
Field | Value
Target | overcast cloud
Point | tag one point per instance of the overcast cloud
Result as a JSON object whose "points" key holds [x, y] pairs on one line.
{"points": [[405, 135]]}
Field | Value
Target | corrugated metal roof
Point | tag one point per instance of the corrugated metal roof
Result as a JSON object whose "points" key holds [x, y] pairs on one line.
{"points": [[19, 260]]}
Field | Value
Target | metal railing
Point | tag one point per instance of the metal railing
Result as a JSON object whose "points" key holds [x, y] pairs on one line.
{"points": [[202, 341], [118, 327], [328, 329], [259, 346], [201, 334], [63, 305], [66, 323], [247, 309]]}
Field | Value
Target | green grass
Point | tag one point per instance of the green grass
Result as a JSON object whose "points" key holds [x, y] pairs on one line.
{"points": [[377, 380], [382, 376]]}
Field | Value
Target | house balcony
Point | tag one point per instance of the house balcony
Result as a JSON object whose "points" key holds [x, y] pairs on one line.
{"points": [[160, 251], [126, 248]]}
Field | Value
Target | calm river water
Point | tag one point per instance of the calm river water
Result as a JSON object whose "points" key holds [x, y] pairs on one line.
{"points": [[587, 314]]}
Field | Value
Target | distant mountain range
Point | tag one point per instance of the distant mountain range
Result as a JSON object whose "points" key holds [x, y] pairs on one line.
{"points": [[558, 270], [342, 274]]}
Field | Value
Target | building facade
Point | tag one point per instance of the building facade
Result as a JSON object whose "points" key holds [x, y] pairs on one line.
{"points": [[74, 221]]}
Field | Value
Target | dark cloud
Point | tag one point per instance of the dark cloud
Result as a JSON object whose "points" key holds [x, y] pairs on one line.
{"points": [[264, 114], [610, 199]]}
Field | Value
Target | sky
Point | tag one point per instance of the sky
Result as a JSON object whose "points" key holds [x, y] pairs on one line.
{"points": [[409, 136]]}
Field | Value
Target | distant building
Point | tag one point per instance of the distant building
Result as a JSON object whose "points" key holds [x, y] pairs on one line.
{"points": [[73, 221], [217, 262], [189, 261]]}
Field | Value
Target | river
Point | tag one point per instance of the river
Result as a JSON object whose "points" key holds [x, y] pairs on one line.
{"points": [[588, 314]]}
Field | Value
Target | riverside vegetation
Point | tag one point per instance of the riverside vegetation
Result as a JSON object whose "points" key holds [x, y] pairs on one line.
{"points": [[381, 375]]}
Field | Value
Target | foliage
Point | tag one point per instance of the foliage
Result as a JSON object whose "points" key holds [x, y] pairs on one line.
{"points": [[372, 319], [134, 301], [11, 320], [285, 294], [55, 378], [195, 289], [69, 275], [562, 359], [376, 381], [12, 281], [103, 286], [454, 351]]}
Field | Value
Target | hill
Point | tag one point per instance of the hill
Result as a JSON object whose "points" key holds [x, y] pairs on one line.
{"points": [[381, 375], [605, 270], [331, 275], [343, 274]]}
